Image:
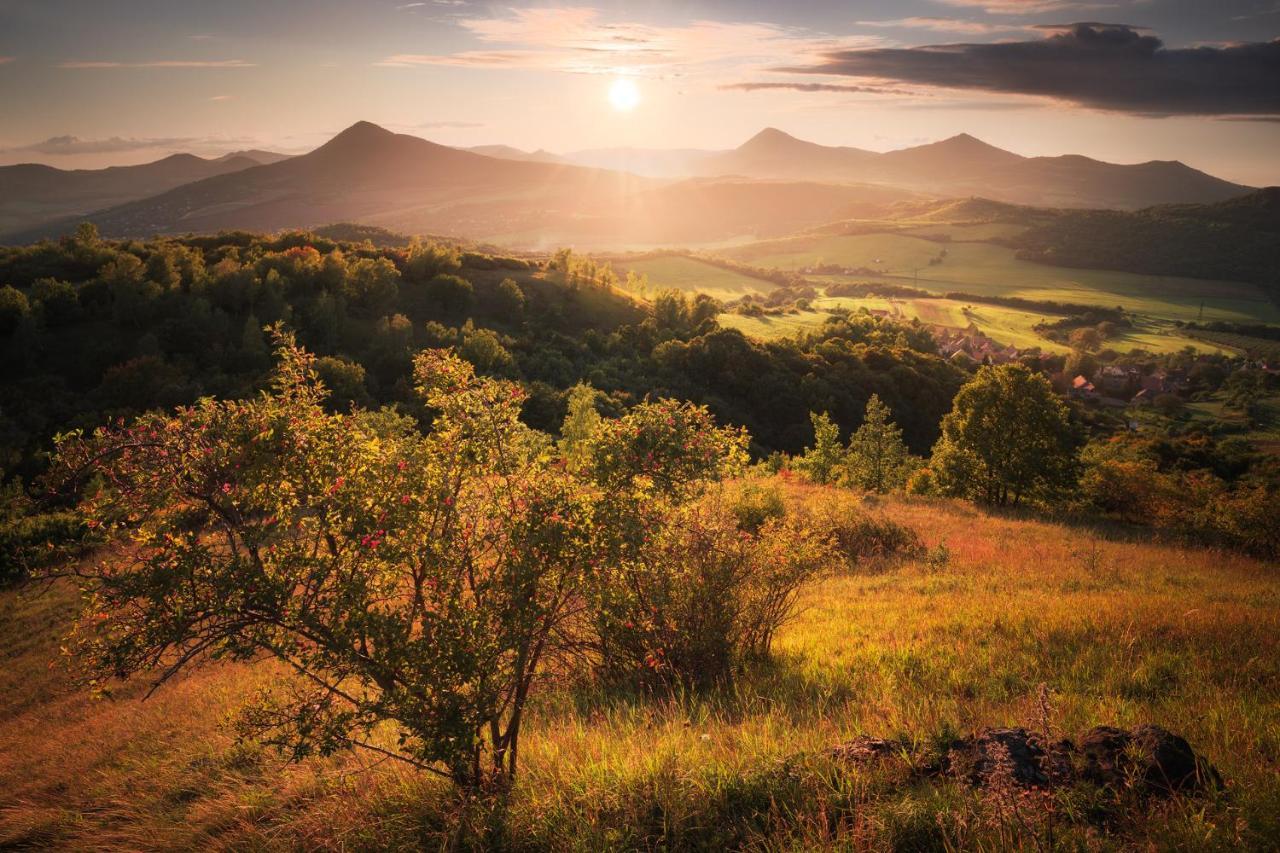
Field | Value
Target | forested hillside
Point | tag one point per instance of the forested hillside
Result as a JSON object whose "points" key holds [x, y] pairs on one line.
{"points": [[106, 329], [1237, 240]]}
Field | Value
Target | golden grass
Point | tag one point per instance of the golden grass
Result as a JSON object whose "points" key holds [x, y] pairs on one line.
{"points": [[1123, 630]]}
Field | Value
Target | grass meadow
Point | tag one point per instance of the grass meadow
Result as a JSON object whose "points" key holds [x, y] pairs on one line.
{"points": [[695, 276], [1122, 629], [993, 270]]}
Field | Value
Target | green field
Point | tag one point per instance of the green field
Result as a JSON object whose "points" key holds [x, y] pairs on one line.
{"points": [[693, 276], [991, 270], [1006, 325]]}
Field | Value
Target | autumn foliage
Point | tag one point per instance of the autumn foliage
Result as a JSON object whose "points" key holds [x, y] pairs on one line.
{"points": [[428, 580]]}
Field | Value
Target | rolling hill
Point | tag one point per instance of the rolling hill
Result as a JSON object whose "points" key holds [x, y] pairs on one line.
{"points": [[507, 152], [369, 175], [31, 193], [963, 165]]}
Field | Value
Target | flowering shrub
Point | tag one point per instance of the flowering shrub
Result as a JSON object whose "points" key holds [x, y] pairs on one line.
{"points": [[420, 579]]}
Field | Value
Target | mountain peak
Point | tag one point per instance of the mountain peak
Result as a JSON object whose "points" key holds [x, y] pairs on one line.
{"points": [[769, 136], [363, 130]]}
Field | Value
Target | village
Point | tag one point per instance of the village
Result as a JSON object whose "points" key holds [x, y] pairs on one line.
{"points": [[1135, 379]]}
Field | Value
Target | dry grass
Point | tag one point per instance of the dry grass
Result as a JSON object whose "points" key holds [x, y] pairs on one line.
{"points": [[1121, 629]]}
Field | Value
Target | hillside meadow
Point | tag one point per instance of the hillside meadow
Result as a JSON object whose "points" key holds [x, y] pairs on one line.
{"points": [[989, 269], [1121, 629]]}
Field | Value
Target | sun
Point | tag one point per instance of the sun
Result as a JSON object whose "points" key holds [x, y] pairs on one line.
{"points": [[624, 95]]}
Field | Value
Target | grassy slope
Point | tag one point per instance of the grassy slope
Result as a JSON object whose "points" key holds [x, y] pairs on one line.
{"points": [[988, 269], [1006, 325], [1123, 631], [694, 276]]}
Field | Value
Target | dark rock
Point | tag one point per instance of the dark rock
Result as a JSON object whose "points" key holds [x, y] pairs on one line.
{"points": [[863, 749], [1017, 750], [1149, 757]]}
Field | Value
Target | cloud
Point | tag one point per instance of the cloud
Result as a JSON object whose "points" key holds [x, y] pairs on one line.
{"points": [[1101, 66], [813, 87], [161, 63], [222, 97], [68, 145], [1023, 7], [4, 60], [945, 25], [577, 40], [115, 144], [436, 125]]}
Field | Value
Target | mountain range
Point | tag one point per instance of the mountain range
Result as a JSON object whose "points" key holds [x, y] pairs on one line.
{"points": [[959, 166], [31, 193], [771, 185]]}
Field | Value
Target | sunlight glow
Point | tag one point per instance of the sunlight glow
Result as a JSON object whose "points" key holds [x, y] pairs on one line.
{"points": [[624, 95]]}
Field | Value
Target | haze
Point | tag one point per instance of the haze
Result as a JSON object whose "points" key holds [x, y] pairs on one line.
{"points": [[86, 84]]}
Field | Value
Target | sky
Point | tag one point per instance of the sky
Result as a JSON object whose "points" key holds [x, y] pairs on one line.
{"points": [[90, 83]]}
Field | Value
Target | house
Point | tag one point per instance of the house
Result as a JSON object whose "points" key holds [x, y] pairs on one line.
{"points": [[1116, 381], [1156, 383], [1082, 387]]}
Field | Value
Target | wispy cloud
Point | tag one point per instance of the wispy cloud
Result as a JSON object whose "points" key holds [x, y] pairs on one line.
{"points": [[577, 40], [945, 25], [1101, 66], [1026, 7], [435, 125], [115, 144], [160, 63], [68, 145], [814, 87], [222, 97]]}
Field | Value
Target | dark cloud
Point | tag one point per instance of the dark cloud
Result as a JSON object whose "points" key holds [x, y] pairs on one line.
{"points": [[1103, 66], [813, 87]]}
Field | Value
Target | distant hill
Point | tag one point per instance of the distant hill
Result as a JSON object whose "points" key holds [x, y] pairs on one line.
{"points": [[31, 193], [369, 175], [649, 162], [257, 155], [1237, 239], [506, 152], [964, 165]]}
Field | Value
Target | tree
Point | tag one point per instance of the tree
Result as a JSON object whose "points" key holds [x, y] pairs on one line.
{"points": [[877, 459], [59, 302], [508, 301], [419, 579], [371, 285], [450, 294], [822, 462], [580, 423], [14, 308], [1007, 437]]}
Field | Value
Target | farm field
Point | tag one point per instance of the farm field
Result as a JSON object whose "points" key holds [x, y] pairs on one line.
{"points": [[694, 276], [1006, 325], [1120, 628], [989, 269]]}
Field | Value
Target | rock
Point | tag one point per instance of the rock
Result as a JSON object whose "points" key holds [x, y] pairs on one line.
{"points": [[863, 749], [1150, 757], [981, 756]]}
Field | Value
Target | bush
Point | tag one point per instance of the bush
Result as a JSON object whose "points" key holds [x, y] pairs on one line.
{"points": [[703, 595], [33, 541], [756, 503], [858, 538]]}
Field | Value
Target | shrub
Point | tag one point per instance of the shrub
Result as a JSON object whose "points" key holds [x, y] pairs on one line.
{"points": [[33, 541], [753, 504], [858, 538], [703, 595], [418, 579]]}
